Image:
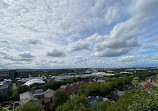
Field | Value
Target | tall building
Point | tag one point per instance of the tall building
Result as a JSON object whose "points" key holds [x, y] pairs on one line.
{"points": [[13, 74]]}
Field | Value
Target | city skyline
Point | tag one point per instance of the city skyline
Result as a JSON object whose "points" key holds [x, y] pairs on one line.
{"points": [[49, 34]]}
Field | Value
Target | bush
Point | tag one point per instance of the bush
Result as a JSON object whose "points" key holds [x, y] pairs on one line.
{"points": [[23, 88], [32, 106], [59, 98]]}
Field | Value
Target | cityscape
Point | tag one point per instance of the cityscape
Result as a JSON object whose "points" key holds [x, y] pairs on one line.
{"points": [[78, 55], [94, 87]]}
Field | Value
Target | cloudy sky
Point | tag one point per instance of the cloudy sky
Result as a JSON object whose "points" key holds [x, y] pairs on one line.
{"points": [[78, 33]]}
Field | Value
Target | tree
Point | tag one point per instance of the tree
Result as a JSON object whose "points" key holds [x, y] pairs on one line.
{"points": [[135, 82], [32, 106], [3, 96], [97, 89], [14, 95], [102, 106], [1, 108], [144, 101], [23, 88], [136, 100], [59, 98], [123, 102], [76, 104]]}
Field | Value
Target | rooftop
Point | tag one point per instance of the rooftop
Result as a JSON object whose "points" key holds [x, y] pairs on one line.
{"points": [[33, 81]]}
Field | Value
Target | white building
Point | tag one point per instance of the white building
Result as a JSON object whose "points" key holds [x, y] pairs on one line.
{"points": [[4, 85], [34, 81]]}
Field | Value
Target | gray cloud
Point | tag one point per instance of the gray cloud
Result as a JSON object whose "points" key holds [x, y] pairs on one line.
{"points": [[34, 42], [108, 52], [79, 45], [4, 41], [56, 62], [80, 59], [7, 57], [16, 59], [56, 53], [26, 59], [26, 55], [84, 44]]}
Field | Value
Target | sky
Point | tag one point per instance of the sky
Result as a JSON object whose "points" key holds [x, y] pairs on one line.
{"points": [[41, 34]]}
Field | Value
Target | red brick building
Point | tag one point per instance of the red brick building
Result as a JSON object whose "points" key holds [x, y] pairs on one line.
{"points": [[151, 80]]}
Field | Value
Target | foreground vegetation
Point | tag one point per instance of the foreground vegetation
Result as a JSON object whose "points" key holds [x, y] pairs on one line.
{"points": [[133, 100]]}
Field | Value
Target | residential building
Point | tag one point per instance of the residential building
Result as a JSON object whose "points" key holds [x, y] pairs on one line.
{"points": [[38, 96], [116, 94], [151, 80], [92, 100], [71, 88], [144, 85]]}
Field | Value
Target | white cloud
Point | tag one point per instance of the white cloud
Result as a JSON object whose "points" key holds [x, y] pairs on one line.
{"points": [[79, 60], [51, 30], [99, 7], [123, 38], [155, 57], [84, 44], [111, 15]]}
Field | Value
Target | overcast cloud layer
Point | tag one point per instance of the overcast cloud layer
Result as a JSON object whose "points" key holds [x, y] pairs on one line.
{"points": [[78, 33]]}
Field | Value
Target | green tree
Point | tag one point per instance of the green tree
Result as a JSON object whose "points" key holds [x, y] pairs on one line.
{"points": [[3, 96], [135, 82], [76, 104], [97, 89], [32, 106], [144, 101], [14, 95], [102, 106], [1, 108], [123, 102], [59, 98], [136, 100], [23, 88]]}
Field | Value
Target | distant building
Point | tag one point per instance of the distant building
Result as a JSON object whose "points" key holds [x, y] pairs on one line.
{"points": [[34, 81], [61, 78], [116, 94], [4, 86], [3, 76], [99, 80], [125, 73], [88, 71], [67, 88], [144, 85], [92, 100], [13, 74], [151, 80], [71, 88], [109, 71], [38, 96]]}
